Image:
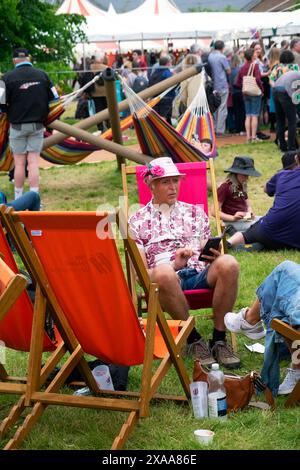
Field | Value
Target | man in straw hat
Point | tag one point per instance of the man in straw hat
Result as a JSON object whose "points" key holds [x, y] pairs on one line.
{"points": [[280, 227], [169, 234]]}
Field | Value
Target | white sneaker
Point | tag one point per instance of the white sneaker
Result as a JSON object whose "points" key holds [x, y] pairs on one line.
{"points": [[236, 323], [289, 382]]}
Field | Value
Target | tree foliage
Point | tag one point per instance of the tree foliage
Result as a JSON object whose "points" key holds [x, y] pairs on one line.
{"points": [[34, 25]]}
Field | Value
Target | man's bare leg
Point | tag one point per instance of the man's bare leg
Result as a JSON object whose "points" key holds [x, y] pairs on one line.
{"points": [[19, 175], [253, 313], [173, 301], [171, 296], [33, 170], [236, 239]]}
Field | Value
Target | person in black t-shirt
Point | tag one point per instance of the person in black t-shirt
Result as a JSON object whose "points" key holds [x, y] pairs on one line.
{"points": [[25, 93]]}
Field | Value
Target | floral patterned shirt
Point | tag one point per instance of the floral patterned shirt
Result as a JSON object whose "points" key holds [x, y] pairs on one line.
{"points": [[280, 69], [159, 235]]}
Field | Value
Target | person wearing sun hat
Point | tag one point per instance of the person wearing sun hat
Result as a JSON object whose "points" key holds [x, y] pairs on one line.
{"points": [[280, 227], [235, 208], [169, 234]]}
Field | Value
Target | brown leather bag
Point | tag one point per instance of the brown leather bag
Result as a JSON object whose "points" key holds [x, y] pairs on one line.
{"points": [[239, 390]]}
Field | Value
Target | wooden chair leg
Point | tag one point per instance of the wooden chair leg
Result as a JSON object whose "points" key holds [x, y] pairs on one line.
{"points": [[13, 417], [294, 396], [234, 342]]}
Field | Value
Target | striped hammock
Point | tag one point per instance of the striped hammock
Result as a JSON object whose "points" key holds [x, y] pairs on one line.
{"points": [[156, 136], [6, 157], [70, 151], [197, 123]]}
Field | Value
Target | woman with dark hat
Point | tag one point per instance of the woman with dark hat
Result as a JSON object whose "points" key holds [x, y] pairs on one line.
{"points": [[235, 207]]}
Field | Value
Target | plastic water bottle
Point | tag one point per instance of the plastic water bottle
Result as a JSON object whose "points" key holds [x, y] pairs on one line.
{"points": [[217, 404]]}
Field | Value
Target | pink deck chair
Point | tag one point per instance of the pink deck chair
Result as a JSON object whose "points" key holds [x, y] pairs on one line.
{"points": [[193, 190]]}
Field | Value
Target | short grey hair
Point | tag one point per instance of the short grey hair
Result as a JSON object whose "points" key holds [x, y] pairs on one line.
{"points": [[195, 48]]}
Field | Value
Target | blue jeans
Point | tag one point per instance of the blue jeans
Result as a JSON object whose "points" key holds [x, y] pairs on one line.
{"points": [[191, 279], [28, 201], [279, 297]]}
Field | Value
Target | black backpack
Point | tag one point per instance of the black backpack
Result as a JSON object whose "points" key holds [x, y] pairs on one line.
{"points": [[140, 83]]}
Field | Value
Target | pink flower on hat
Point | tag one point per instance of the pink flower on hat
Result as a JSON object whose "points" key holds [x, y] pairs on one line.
{"points": [[154, 171], [157, 171]]}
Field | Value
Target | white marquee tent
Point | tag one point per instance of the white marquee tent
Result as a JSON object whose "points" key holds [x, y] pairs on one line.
{"points": [[80, 7], [130, 26], [155, 7], [160, 20]]}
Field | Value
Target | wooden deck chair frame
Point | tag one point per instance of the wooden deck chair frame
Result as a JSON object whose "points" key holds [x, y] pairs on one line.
{"points": [[128, 171], [10, 383], [137, 405], [290, 334]]}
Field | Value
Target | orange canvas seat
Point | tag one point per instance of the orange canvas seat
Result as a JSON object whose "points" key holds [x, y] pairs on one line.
{"points": [[75, 263], [16, 325]]}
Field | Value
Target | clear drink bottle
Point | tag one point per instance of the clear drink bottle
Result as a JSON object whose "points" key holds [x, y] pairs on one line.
{"points": [[217, 404]]}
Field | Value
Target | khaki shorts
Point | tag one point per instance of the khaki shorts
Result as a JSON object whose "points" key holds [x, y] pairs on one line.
{"points": [[27, 137]]}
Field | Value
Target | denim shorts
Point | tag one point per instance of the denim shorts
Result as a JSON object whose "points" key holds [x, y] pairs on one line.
{"points": [[191, 279], [26, 137], [252, 105]]}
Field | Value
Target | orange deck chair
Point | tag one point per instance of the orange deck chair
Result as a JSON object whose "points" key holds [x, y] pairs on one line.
{"points": [[78, 273], [193, 190], [290, 335], [16, 319]]}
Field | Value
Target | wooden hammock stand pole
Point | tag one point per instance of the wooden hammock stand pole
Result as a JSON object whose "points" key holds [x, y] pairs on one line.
{"points": [[102, 115], [109, 78], [105, 144]]}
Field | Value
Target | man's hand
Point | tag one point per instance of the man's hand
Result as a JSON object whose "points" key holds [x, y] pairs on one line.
{"points": [[182, 256], [214, 255]]}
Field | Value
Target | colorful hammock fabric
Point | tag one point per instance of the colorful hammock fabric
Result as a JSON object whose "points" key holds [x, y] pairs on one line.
{"points": [[6, 157], [70, 151], [197, 121], [156, 136]]}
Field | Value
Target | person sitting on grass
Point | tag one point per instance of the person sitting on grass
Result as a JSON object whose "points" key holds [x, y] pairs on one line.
{"points": [[169, 234], [235, 207], [277, 297], [280, 227], [28, 201]]}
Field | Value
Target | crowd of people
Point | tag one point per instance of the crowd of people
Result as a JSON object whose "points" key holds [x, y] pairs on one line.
{"points": [[238, 112]]}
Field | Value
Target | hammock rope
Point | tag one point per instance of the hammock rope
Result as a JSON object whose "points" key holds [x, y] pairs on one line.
{"points": [[156, 136]]}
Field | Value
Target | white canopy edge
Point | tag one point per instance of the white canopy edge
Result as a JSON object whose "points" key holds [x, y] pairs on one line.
{"points": [[190, 25]]}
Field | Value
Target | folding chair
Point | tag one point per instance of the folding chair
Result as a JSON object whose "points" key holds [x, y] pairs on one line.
{"points": [[193, 190], [290, 335], [74, 261], [16, 320]]}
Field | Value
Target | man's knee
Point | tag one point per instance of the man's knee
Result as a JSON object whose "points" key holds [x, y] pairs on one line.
{"points": [[228, 266], [164, 275]]}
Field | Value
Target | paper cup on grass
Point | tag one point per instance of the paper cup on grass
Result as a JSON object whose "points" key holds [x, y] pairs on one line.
{"points": [[204, 436], [103, 378]]}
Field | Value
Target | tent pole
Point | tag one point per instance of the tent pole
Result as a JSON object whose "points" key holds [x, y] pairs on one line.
{"points": [[109, 78], [102, 115]]}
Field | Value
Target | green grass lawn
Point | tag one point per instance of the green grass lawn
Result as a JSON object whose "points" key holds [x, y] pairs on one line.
{"points": [[98, 186]]}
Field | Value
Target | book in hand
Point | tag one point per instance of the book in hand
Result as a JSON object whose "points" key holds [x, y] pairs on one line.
{"points": [[213, 242]]}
